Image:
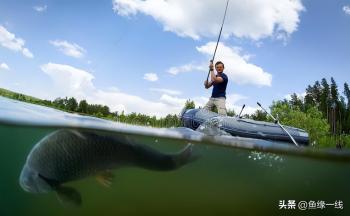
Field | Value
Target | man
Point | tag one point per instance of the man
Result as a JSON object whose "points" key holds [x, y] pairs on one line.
{"points": [[219, 81]]}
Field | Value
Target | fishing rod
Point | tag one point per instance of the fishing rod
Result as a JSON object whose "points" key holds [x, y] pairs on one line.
{"points": [[277, 122], [239, 116], [217, 43]]}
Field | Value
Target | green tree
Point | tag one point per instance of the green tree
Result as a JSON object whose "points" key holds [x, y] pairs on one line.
{"points": [[316, 93], [59, 103], [309, 99], [72, 104], [189, 104], [325, 98], [295, 101], [47, 102], [83, 106], [259, 115], [334, 114], [312, 120], [231, 112], [122, 117], [343, 127], [347, 94], [346, 122], [334, 92], [105, 111]]}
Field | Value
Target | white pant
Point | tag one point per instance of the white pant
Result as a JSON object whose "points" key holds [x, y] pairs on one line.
{"points": [[219, 103]]}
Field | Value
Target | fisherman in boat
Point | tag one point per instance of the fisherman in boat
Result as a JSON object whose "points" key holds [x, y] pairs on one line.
{"points": [[219, 82]]}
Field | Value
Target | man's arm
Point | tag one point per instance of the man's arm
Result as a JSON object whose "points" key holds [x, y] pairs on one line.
{"points": [[207, 84], [215, 79]]}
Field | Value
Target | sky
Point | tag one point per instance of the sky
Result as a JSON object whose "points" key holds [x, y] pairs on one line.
{"points": [[150, 56]]}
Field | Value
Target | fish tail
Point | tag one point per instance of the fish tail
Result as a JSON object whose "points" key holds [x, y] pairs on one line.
{"points": [[185, 156], [151, 159]]}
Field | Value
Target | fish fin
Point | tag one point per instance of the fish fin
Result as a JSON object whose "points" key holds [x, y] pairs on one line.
{"points": [[68, 196], [105, 178], [186, 156]]}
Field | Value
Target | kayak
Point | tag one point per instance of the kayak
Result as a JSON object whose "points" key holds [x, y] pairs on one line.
{"points": [[193, 118]]}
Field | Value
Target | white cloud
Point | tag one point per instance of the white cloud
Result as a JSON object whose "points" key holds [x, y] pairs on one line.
{"points": [[253, 19], [233, 101], [113, 88], [27, 53], [69, 80], [235, 98], [150, 77], [346, 9], [4, 66], [69, 49], [40, 8], [187, 68], [10, 41], [120, 101], [237, 67], [73, 82], [166, 91], [172, 100]]}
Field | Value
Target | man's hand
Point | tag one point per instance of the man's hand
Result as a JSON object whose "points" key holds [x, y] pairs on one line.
{"points": [[211, 66]]}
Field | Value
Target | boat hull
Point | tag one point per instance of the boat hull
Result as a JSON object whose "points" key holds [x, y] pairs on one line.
{"points": [[193, 118]]}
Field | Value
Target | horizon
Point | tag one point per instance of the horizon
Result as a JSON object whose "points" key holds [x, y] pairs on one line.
{"points": [[148, 57]]}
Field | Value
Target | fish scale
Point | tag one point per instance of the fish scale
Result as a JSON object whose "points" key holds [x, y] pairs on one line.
{"points": [[78, 155]]}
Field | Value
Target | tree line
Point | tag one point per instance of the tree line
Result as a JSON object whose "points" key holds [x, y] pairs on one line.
{"points": [[324, 112], [103, 111], [334, 105], [324, 97]]}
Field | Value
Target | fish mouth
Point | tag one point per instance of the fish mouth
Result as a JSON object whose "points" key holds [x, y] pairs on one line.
{"points": [[33, 182], [26, 187], [26, 180]]}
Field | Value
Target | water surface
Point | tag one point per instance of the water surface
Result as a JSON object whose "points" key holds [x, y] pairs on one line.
{"points": [[232, 176]]}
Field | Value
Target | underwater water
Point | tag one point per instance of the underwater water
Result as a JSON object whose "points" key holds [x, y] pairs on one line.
{"points": [[224, 180]]}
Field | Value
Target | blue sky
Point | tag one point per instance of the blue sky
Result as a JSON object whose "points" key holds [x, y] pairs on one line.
{"points": [[150, 56]]}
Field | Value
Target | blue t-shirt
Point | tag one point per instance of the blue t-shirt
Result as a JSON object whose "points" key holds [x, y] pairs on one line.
{"points": [[219, 89]]}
